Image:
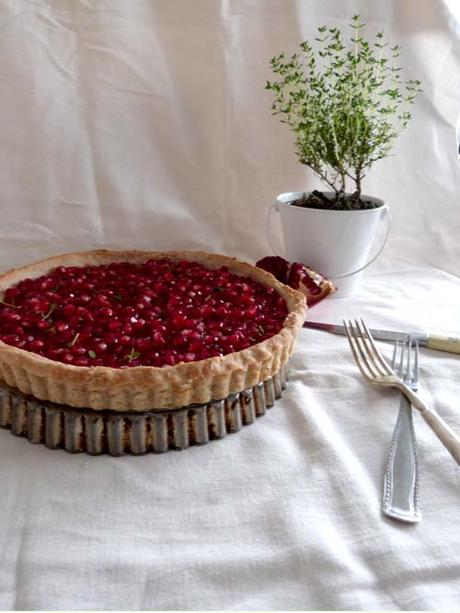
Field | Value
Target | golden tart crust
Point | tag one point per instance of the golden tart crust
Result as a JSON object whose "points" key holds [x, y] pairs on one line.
{"points": [[148, 388]]}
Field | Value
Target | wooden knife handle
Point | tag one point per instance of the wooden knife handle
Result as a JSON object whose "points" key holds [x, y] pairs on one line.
{"points": [[444, 343]]}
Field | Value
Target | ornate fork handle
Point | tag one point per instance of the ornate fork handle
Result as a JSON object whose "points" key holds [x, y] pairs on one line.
{"points": [[444, 433], [400, 489]]}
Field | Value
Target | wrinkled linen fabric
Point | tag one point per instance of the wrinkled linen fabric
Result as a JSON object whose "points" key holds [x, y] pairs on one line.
{"points": [[145, 124]]}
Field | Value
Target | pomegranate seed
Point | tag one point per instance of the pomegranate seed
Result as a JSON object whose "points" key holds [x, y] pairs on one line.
{"points": [[143, 344], [100, 347], [78, 350], [80, 362], [69, 310], [159, 312], [196, 347], [111, 338], [105, 313], [138, 324], [170, 359], [178, 322], [61, 326], [158, 339], [102, 300], [36, 345], [11, 316]]}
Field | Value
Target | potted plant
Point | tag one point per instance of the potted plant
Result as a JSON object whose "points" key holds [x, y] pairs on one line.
{"points": [[346, 104]]}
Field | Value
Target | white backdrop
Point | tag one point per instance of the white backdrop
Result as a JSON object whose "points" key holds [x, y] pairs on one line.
{"points": [[145, 123]]}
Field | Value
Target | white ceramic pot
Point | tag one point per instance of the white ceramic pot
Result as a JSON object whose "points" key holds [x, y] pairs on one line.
{"points": [[335, 243]]}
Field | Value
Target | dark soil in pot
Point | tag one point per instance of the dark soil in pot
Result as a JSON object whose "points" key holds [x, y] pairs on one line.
{"points": [[345, 202]]}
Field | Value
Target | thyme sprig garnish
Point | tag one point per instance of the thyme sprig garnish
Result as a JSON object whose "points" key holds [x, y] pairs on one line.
{"points": [[51, 310], [74, 340], [8, 304], [132, 355]]}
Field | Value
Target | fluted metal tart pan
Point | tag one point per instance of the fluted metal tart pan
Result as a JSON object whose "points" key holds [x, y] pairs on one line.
{"points": [[119, 433]]}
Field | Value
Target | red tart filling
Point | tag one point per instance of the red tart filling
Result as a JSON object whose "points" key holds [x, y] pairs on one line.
{"points": [[155, 313]]}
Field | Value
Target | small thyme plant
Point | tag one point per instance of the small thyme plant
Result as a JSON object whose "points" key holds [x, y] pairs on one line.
{"points": [[346, 104]]}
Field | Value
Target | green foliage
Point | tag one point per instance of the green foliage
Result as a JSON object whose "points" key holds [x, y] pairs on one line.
{"points": [[346, 104]]}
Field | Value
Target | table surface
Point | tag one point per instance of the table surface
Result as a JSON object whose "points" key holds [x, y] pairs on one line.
{"points": [[284, 514]]}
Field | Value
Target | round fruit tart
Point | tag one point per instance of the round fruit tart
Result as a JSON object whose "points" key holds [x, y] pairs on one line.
{"points": [[139, 331]]}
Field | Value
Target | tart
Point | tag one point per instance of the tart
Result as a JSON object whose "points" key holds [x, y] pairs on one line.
{"points": [[143, 331]]}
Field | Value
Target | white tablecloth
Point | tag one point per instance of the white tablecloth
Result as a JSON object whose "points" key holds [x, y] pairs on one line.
{"points": [[144, 123], [284, 514]]}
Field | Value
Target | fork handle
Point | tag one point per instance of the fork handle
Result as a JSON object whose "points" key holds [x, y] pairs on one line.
{"points": [[400, 484], [444, 433]]}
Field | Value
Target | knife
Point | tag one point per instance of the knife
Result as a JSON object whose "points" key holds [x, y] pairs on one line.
{"points": [[450, 344]]}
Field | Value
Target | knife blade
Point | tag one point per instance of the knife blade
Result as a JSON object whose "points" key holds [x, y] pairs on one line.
{"points": [[450, 344]]}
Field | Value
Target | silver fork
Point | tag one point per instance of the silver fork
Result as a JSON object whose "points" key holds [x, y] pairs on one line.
{"points": [[377, 371], [401, 480]]}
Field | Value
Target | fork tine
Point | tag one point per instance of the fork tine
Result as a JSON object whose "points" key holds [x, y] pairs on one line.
{"points": [[363, 348], [410, 348], [377, 356], [415, 379], [378, 363], [395, 352], [355, 349], [401, 359], [398, 355], [397, 360], [415, 370]]}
